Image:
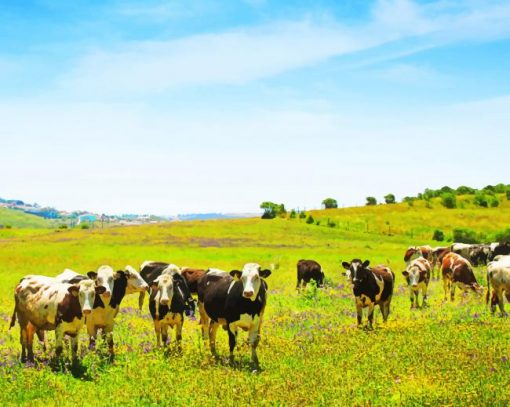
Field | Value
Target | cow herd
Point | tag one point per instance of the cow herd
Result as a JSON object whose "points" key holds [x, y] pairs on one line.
{"points": [[235, 300]]}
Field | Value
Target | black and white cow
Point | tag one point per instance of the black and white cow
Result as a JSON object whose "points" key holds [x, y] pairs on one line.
{"points": [[498, 276], [371, 286], [235, 300], [499, 249]]}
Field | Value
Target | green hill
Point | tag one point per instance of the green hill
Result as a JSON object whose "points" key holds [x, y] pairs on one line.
{"points": [[18, 219]]}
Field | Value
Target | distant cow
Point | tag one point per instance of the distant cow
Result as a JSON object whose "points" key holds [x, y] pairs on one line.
{"points": [[372, 286], [479, 254], [457, 271], [235, 301], [499, 249], [498, 275], [41, 303], [309, 270], [461, 249], [413, 252], [417, 276]]}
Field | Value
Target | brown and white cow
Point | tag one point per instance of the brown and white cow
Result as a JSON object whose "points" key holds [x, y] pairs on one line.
{"points": [[417, 276], [235, 301], [372, 286], [192, 276], [437, 258], [457, 271], [42, 304], [414, 252], [498, 276]]}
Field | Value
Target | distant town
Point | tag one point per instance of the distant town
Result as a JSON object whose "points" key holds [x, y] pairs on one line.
{"points": [[80, 218]]}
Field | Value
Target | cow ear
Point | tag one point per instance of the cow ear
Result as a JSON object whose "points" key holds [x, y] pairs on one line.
{"points": [[74, 290], [119, 274], [405, 273], [346, 265], [236, 274], [100, 290], [366, 263], [264, 273], [92, 275]]}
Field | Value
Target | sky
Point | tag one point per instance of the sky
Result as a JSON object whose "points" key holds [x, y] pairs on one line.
{"points": [[170, 107]]}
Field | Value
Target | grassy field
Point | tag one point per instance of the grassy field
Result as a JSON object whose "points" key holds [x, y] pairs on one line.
{"points": [[19, 219], [311, 351]]}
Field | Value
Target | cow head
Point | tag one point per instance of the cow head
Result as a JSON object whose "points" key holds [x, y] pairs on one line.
{"points": [[412, 275], [86, 291], [412, 252], [163, 289], [251, 278], [104, 277], [135, 283], [354, 267]]}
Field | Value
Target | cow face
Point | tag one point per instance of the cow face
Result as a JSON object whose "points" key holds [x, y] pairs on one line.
{"points": [[251, 277], [86, 291], [135, 283], [353, 268], [163, 289], [412, 275], [104, 277]]}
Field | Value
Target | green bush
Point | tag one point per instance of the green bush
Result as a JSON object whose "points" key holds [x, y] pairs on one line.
{"points": [[508, 194], [503, 236], [85, 226], [302, 215], [371, 201], [389, 199], [310, 219], [448, 200], [438, 235], [494, 201], [465, 235], [481, 199]]}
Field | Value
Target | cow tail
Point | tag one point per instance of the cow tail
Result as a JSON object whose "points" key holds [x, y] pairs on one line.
{"points": [[13, 318], [488, 295]]}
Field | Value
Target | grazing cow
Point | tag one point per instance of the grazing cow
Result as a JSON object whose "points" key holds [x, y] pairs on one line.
{"points": [[498, 275], [479, 254], [499, 249], [169, 299], [309, 270], [372, 286], [457, 271], [417, 276], [235, 301], [105, 309], [42, 304], [461, 249]]}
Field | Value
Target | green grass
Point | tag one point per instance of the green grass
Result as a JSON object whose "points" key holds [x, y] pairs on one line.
{"points": [[18, 219], [311, 351]]}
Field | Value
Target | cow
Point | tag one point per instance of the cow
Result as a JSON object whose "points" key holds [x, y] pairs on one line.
{"points": [[498, 275], [499, 249], [106, 308], [168, 301], [192, 276], [350, 268], [42, 304], [461, 249], [309, 270], [457, 271], [417, 276], [372, 286], [414, 252], [479, 254], [437, 258], [235, 300]]}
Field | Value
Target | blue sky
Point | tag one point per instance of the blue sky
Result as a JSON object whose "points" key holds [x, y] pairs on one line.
{"points": [[198, 106]]}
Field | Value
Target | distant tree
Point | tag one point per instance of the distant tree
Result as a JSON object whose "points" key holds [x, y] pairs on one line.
{"points": [[438, 235], [493, 201], [389, 199], [500, 188], [371, 201], [302, 215], [292, 214], [448, 200], [508, 194], [330, 203], [409, 200], [271, 210], [446, 189], [481, 199], [464, 190], [310, 220]]}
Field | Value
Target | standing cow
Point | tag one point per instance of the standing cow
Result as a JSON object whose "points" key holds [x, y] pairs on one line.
{"points": [[309, 270], [414, 252], [417, 276], [457, 271], [498, 276], [41, 304], [235, 301], [372, 286]]}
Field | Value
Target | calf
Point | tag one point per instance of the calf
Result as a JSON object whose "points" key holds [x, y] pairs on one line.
{"points": [[168, 301], [105, 309], [498, 275], [417, 276], [235, 301], [309, 270], [42, 304], [457, 271], [372, 286]]}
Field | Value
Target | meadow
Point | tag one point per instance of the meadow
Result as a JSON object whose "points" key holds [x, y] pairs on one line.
{"points": [[311, 351]]}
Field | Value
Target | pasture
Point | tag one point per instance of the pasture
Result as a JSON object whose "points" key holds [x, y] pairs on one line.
{"points": [[311, 351]]}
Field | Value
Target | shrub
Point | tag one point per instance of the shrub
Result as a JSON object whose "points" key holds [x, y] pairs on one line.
{"points": [[438, 235], [62, 226], [371, 201], [302, 215], [331, 223], [481, 199], [85, 226], [449, 200], [508, 194], [310, 219], [463, 190], [292, 214], [465, 235], [503, 236], [389, 199], [8, 226], [494, 201]]}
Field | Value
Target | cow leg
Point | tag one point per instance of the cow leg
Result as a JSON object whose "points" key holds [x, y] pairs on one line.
{"points": [[42, 339], [494, 301], [452, 291], [359, 312], [298, 286], [108, 333], [74, 346], [446, 287], [253, 340], [424, 295], [140, 300], [178, 330], [213, 327], [30, 341], [157, 329], [92, 333], [23, 339], [385, 309], [370, 315], [204, 321], [501, 303], [232, 338], [59, 337]]}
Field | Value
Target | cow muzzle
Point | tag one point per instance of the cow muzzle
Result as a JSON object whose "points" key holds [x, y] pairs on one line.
{"points": [[164, 301], [87, 311], [247, 294], [107, 294]]}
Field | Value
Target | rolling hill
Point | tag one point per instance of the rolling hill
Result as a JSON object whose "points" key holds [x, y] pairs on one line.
{"points": [[18, 219]]}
